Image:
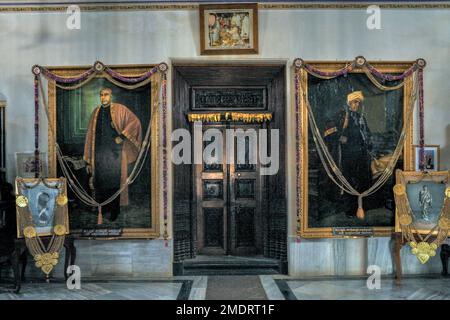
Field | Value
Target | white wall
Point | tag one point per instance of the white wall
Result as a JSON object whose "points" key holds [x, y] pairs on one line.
{"points": [[153, 36]]}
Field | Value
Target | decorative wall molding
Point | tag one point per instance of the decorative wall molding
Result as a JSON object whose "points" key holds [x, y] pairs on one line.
{"points": [[61, 6]]}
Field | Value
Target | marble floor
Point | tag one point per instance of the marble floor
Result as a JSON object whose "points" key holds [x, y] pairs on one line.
{"points": [[173, 289], [235, 288], [417, 288], [272, 287]]}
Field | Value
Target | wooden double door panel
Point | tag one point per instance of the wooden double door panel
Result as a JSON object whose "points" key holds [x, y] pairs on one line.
{"points": [[228, 197]]}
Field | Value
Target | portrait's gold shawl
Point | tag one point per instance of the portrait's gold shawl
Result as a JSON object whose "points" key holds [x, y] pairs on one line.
{"points": [[127, 126]]}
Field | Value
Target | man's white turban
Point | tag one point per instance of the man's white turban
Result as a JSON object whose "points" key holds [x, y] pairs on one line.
{"points": [[357, 95]]}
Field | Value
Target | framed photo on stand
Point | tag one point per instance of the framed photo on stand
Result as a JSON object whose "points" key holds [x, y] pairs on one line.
{"points": [[431, 158], [26, 167]]}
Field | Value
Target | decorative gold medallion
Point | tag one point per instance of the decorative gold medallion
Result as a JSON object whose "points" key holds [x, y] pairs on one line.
{"points": [[399, 189], [47, 268], [163, 67], [423, 250], [46, 261], [99, 66], [59, 230], [61, 200], [46, 258], [36, 69], [22, 201], [405, 219], [298, 63], [38, 264], [29, 232], [360, 61], [423, 258], [444, 223], [421, 63]]}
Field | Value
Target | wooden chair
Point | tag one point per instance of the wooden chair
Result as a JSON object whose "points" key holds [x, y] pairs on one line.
{"points": [[13, 251], [445, 254], [10, 253]]}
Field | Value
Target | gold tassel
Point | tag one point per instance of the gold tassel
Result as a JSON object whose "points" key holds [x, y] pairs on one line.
{"points": [[360, 212], [100, 215]]}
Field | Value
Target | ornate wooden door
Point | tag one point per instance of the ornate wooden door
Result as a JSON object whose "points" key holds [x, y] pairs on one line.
{"points": [[228, 197], [211, 195]]}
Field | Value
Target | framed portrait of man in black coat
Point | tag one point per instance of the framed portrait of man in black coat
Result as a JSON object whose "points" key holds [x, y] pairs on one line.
{"points": [[100, 130]]}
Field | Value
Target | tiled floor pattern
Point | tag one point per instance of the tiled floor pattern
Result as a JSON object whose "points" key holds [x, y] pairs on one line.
{"points": [[236, 288], [356, 289], [104, 290]]}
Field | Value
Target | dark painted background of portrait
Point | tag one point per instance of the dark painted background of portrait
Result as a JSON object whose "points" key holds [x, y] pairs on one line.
{"points": [[74, 108], [384, 113]]}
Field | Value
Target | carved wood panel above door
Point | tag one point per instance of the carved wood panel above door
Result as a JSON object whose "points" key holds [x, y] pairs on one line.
{"points": [[229, 98]]}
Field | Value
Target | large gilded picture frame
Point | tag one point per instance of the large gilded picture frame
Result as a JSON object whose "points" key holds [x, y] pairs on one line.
{"points": [[309, 194], [69, 115]]}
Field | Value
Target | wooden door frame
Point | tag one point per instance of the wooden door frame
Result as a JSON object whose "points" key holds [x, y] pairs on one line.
{"points": [[269, 73]]}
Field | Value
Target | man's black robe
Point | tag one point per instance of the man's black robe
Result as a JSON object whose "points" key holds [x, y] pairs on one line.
{"points": [[107, 162], [352, 157]]}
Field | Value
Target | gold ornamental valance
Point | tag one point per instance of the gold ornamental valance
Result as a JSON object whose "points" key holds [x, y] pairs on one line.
{"points": [[204, 117], [231, 116]]}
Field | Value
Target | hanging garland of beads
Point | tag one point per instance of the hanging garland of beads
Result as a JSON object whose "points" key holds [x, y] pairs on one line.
{"points": [[297, 149], [163, 68], [421, 116], [36, 127]]}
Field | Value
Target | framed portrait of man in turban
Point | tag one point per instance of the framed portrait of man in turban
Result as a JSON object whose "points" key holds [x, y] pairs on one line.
{"points": [[359, 125], [100, 130]]}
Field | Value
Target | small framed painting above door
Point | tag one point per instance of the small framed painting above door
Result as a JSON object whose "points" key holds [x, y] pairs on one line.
{"points": [[229, 29]]}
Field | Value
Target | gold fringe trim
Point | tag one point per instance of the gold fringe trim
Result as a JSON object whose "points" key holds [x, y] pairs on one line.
{"points": [[204, 117], [231, 116]]}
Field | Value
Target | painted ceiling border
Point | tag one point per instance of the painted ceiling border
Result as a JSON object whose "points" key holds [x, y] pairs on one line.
{"points": [[189, 5]]}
